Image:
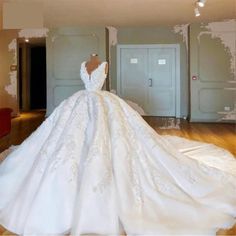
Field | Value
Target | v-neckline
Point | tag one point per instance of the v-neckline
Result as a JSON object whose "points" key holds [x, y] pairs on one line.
{"points": [[89, 75]]}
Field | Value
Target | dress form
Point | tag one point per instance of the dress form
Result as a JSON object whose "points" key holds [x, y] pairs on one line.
{"points": [[93, 64]]}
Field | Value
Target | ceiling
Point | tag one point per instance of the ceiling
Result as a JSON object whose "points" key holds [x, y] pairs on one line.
{"points": [[130, 12]]}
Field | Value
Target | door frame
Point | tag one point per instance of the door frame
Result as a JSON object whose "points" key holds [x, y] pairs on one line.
{"points": [[153, 46]]}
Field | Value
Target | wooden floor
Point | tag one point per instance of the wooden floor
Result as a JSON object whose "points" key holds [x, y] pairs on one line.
{"points": [[22, 127], [223, 135]]}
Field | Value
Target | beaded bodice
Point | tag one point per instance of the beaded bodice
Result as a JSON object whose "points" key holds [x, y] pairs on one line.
{"points": [[95, 80]]}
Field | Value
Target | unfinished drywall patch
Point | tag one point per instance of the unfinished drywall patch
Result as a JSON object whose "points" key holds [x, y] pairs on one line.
{"points": [[222, 26], [112, 35], [183, 31], [11, 88], [226, 32], [33, 33], [12, 47], [112, 42], [170, 123]]}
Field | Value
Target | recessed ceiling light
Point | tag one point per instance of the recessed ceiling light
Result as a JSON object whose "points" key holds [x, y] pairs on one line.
{"points": [[201, 3], [197, 13]]}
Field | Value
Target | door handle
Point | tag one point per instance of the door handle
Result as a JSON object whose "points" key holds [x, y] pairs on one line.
{"points": [[150, 82]]}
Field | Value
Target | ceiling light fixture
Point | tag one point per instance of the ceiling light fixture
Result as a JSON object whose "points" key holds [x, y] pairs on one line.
{"points": [[201, 3], [26, 40], [197, 12]]}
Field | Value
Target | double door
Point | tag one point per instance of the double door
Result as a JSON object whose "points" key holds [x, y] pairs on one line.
{"points": [[147, 76]]}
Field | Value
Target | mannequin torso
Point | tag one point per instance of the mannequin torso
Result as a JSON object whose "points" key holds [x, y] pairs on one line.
{"points": [[94, 63]]}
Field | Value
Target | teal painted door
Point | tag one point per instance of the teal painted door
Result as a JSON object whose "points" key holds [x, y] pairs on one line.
{"points": [[147, 77], [134, 74], [161, 84], [67, 48], [210, 66]]}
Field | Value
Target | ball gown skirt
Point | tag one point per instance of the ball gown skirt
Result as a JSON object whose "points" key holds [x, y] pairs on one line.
{"points": [[94, 166]]}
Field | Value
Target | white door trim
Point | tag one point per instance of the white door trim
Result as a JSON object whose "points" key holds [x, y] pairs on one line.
{"points": [[147, 46]]}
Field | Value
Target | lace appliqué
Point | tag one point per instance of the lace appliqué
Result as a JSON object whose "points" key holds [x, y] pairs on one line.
{"points": [[63, 147]]}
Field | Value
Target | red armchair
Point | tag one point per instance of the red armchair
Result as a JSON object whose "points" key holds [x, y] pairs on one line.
{"points": [[5, 121]]}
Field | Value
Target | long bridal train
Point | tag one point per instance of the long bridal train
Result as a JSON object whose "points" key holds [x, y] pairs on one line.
{"points": [[94, 164]]}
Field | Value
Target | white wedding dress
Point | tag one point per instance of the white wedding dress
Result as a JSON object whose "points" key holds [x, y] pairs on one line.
{"points": [[94, 166]]}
